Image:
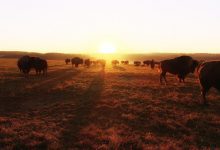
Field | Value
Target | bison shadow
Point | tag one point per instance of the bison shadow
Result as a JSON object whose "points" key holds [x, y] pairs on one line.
{"points": [[84, 107], [20, 91]]}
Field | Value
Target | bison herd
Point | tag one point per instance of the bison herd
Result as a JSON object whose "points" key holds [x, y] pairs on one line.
{"points": [[208, 72], [26, 63]]}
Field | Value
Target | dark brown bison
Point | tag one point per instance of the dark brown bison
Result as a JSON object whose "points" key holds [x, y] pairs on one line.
{"points": [[125, 62], [152, 64], [24, 64], [180, 66], [137, 63], [87, 62], [115, 62], [67, 61], [147, 62], [76, 61], [39, 64], [209, 76]]}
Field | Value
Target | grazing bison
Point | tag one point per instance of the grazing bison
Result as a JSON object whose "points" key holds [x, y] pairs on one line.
{"points": [[137, 63], [76, 61], [152, 64], [39, 65], [67, 61], [147, 62], [125, 62], [87, 62], [209, 76], [24, 64], [115, 62], [180, 66]]}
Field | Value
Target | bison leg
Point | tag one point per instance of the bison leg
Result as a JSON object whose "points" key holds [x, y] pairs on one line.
{"points": [[203, 93], [205, 86], [163, 76], [181, 78]]}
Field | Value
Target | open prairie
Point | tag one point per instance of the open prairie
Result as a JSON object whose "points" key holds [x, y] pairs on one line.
{"points": [[121, 107]]}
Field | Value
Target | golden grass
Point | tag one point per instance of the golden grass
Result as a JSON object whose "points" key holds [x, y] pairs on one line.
{"points": [[122, 107]]}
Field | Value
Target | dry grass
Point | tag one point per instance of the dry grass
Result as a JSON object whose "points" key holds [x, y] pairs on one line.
{"points": [[121, 107]]}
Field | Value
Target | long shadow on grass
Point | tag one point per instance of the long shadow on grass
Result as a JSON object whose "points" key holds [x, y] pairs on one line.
{"points": [[176, 119], [15, 93], [84, 106]]}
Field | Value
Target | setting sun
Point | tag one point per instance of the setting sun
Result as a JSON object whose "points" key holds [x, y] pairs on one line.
{"points": [[107, 48]]}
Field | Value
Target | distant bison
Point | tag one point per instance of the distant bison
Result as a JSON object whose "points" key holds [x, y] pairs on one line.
{"points": [[180, 66], [209, 76], [87, 62], [76, 61], [26, 63], [137, 63], [125, 62], [67, 61], [115, 62], [147, 62], [152, 64], [39, 65]]}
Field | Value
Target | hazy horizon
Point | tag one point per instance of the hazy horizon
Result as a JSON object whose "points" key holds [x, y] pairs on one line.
{"points": [[100, 26]]}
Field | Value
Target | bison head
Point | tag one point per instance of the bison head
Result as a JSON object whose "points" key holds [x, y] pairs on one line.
{"points": [[195, 63]]}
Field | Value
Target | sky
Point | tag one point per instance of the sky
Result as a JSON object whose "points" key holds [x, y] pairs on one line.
{"points": [[128, 26]]}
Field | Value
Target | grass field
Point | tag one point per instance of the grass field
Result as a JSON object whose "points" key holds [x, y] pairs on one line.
{"points": [[122, 107]]}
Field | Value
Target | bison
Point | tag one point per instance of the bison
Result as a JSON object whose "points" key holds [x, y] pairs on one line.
{"points": [[39, 65], [87, 62], [180, 66], [76, 61], [67, 61], [137, 63], [147, 62], [24, 64], [152, 64], [115, 62], [209, 76], [125, 62]]}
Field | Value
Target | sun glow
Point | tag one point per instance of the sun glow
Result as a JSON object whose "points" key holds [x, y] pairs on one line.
{"points": [[107, 48]]}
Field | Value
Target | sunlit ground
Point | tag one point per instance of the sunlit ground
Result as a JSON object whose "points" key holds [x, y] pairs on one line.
{"points": [[120, 107]]}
